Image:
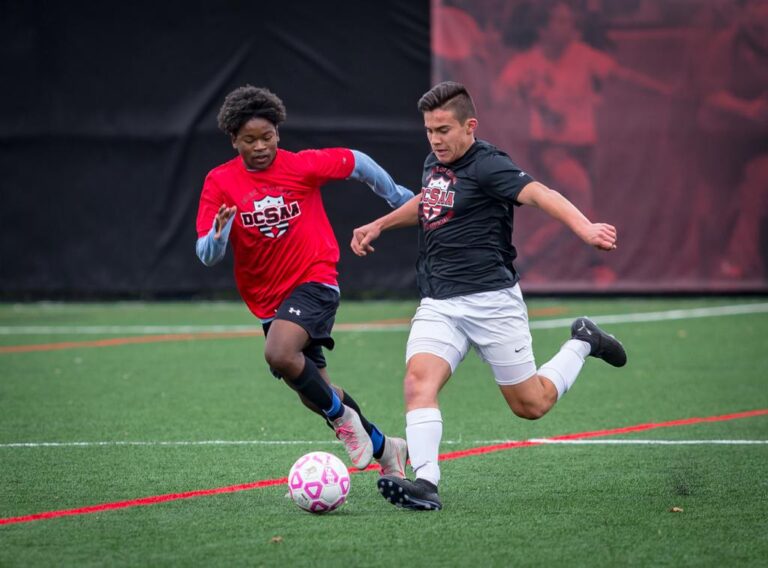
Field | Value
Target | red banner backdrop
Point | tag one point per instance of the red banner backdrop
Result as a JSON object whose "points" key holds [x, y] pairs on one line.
{"points": [[650, 115]]}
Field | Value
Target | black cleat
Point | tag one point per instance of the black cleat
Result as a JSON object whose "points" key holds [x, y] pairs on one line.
{"points": [[419, 495], [604, 346]]}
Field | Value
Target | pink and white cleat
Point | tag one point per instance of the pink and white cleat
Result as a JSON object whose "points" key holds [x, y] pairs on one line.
{"points": [[393, 459], [349, 429]]}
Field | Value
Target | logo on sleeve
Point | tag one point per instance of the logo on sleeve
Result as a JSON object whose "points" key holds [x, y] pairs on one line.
{"points": [[271, 215]]}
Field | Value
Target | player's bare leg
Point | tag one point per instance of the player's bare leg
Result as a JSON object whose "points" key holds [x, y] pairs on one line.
{"points": [[283, 351], [425, 376], [534, 397]]}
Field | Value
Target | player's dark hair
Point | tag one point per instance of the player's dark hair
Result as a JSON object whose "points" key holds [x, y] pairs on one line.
{"points": [[449, 95], [247, 102]]}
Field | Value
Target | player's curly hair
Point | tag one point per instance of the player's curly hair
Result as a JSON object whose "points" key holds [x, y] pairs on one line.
{"points": [[247, 102]]}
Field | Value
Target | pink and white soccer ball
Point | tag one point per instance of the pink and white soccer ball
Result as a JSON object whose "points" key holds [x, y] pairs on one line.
{"points": [[318, 482]]}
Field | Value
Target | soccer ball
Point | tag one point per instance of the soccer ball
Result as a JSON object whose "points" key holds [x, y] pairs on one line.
{"points": [[318, 482]]}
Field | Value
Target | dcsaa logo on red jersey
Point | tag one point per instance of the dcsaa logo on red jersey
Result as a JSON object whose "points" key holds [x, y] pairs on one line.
{"points": [[436, 196], [271, 216]]}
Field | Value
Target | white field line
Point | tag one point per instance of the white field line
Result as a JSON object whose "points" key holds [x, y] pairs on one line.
{"points": [[688, 313], [335, 442]]}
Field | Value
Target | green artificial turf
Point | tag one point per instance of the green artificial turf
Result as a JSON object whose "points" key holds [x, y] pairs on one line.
{"points": [[545, 505]]}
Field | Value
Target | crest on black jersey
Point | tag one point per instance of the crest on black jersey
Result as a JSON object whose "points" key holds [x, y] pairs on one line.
{"points": [[436, 196]]}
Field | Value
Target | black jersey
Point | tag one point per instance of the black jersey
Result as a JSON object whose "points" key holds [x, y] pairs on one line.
{"points": [[465, 245]]}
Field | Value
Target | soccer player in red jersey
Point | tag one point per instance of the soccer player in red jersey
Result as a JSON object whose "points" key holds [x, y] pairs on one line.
{"points": [[266, 202]]}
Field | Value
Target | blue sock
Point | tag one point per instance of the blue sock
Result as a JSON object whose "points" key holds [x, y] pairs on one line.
{"points": [[378, 441], [336, 409]]}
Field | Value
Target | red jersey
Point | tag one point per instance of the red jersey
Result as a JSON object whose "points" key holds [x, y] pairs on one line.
{"points": [[281, 236]]}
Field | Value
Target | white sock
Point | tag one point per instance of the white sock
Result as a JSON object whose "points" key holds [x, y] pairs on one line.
{"points": [[565, 366], [424, 430]]}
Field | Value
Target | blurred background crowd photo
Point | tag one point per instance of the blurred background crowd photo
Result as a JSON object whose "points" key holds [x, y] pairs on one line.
{"points": [[648, 114]]}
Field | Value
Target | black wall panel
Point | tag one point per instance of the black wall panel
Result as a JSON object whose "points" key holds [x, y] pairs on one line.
{"points": [[108, 127]]}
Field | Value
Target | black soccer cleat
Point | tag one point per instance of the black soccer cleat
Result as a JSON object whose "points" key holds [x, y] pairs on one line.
{"points": [[419, 495], [603, 346]]}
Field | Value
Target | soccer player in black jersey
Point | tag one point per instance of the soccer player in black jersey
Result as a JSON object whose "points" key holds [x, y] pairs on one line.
{"points": [[469, 287]]}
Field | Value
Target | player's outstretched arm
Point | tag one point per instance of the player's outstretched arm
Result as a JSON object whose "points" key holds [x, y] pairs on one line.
{"points": [[211, 247], [374, 176], [602, 236], [405, 216]]}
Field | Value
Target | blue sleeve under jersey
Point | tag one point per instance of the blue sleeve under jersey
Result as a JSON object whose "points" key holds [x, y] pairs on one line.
{"points": [[374, 176], [209, 250]]}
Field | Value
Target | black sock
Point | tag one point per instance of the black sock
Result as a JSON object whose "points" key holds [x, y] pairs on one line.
{"points": [[376, 435], [312, 386]]}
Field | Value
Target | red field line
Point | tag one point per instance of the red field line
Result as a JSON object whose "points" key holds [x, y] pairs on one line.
{"points": [[597, 433], [443, 457], [143, 501]]}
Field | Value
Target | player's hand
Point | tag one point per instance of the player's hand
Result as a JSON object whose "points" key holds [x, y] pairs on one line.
{"points": [[222, 217], [602, 236], [362, 238]]}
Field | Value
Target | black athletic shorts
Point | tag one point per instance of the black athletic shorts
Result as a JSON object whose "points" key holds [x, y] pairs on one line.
{"points": [[313, 307]]}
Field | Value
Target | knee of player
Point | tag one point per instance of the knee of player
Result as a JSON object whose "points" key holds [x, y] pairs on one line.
{"points": [[529, 410], [272, 357], [411, 383], [280, 359], [415, 385]]}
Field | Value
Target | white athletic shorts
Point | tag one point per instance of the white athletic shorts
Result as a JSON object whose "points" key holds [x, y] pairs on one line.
{"points": [[495, 323]]}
